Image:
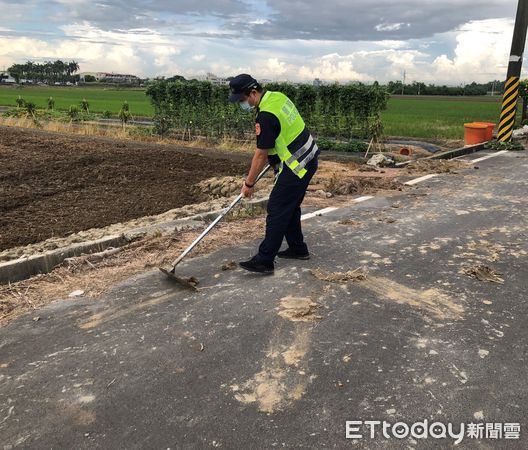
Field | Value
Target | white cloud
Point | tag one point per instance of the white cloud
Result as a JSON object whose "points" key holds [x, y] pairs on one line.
{"points": [[198, 58], [142, 37], [274, 68], [390, 44], [333, 67], [481, 53]]}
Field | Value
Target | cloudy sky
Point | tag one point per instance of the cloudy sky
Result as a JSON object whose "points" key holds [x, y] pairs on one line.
{"points": [[449, 41]]}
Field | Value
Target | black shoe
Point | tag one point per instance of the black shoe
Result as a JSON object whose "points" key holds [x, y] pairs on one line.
{"points": [[290, 254], [257, 266]]}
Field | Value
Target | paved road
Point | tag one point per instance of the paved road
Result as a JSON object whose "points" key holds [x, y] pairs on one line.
{"points": [[153, 366]]}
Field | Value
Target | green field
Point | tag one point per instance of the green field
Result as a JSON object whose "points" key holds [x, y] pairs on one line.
{"points": [[425, 117], [99, 99], [442, 117]]}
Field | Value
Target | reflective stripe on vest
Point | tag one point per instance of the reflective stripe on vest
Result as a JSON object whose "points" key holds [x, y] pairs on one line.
{"points": [[310, 147], [292, 125]]}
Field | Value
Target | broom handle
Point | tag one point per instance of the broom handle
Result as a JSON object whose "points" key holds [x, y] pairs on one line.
{"points": [[214, 222]]}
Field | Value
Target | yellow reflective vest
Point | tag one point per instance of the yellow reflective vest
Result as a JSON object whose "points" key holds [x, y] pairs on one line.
{"points": [[292, 125]]}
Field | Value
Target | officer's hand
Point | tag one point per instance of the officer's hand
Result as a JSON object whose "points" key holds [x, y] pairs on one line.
{"points": [[246, 191]]}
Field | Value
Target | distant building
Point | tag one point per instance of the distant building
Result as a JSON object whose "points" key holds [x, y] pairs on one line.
{"points": [[317, 82], [212, 78], [106, 77]]}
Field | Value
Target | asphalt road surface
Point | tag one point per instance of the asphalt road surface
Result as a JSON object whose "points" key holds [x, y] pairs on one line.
{"points": [[284, 361]]}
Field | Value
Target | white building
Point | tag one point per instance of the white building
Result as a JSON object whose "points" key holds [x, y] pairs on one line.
{"points": [[116, 77], [212, 78]]}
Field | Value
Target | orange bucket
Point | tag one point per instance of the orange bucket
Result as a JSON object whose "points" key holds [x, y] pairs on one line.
{"points": [[475, 133], [489, 131]]}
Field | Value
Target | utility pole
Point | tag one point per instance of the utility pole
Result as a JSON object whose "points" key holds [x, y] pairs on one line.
{"points": [[403, 84], [511, 87]]}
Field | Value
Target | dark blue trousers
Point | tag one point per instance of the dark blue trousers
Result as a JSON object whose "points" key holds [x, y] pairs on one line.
{"points": [[284, 213]]}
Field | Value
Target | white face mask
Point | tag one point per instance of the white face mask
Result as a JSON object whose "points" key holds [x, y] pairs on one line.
{"points": [[246, 106]]}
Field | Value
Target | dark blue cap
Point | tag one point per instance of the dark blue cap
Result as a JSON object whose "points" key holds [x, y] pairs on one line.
{"points": [[240, 86]]}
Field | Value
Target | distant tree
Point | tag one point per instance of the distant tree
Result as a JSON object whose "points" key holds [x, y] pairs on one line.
{"points": [[419, 88], [56, 71], [49, 72], [89, 78], [16, 72], [176, 78], [72, 67], [395, 87]]}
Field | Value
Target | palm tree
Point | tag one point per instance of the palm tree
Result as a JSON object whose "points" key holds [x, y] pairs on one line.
{"points": [[57, 68], [72, 67], [48, 71]]}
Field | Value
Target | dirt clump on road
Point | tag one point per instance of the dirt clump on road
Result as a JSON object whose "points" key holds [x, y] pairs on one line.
{"points": [[298, 309], [358, 274], [360, 185], [484, 273], [229, 265], [425, 166], [349, 222]]}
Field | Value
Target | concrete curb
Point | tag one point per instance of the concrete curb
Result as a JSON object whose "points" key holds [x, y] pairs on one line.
{"points": [[449, 154], [23, 268]]}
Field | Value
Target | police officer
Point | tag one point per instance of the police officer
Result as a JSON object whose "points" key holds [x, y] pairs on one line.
{"points": [[284, 141]]}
